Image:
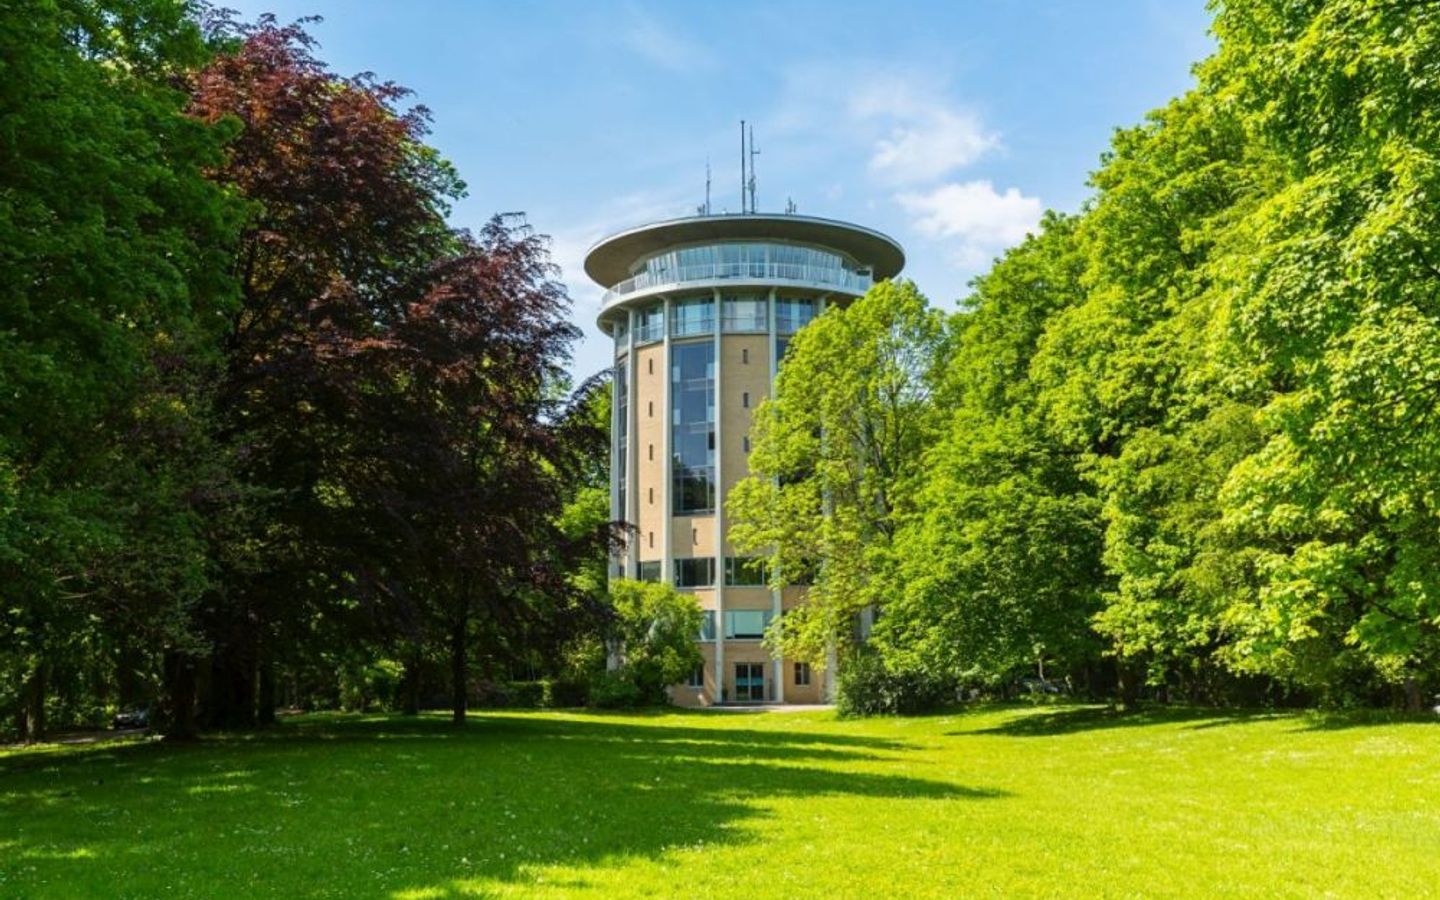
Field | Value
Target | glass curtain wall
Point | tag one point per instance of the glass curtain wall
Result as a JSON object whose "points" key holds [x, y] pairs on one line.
{"points": [[692, 435], [745, 571], [694, 572], [741, 259], [622, 428], [746, 624], [791, 314], [689, 318], [650, 324], [746, 313]]}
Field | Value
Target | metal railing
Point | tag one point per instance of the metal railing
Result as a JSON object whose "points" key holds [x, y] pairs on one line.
{"points": [[832, 276]]}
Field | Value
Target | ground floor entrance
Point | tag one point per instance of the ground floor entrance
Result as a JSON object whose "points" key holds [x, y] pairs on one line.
{"points": [[749, 674], [750, 683]]}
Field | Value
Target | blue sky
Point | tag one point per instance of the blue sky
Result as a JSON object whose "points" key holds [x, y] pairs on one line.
{"points": [[948, 125]]}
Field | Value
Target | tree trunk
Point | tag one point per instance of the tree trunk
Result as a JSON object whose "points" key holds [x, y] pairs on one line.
{"points": [[232, 681], [411, 687], [33, 722], [265, 699], [1413, 701], [179, 701], [459, 673], [1129, 685]]}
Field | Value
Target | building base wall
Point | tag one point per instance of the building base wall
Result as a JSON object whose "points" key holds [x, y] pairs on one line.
{"points": [[751, 654]]}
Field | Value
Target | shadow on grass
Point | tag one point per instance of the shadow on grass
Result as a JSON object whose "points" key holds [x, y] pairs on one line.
{"points": [[1055, 721], [376, 805]]}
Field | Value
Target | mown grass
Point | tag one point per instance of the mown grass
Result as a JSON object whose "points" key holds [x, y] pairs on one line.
{"points": [[995, 802]]}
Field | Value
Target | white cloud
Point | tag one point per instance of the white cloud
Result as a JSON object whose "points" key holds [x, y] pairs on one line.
{"points": [[983, 220], [905, 123], [931, 146], [921, 133], [650, 39]]}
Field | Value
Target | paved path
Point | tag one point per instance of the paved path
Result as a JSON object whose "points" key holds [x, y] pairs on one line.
{"points": [[771, 707]]}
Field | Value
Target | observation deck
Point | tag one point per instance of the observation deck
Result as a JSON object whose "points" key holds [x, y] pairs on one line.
{"points": [[772, 250]]}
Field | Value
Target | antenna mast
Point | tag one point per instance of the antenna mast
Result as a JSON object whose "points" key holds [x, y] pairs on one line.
{"points": [[742, 166], [752, 154]]}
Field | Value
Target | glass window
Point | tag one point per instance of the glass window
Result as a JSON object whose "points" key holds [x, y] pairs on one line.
{"points": [[749, 682], [746, 624], [707, 625], [802, 674], [697, 572], [751, 260], [692, 395], [697, 677], [648, 571], [622, 428], [650, 324], [692, 317], [782, 344], [746, 314], [791, 314], [745, 571]]}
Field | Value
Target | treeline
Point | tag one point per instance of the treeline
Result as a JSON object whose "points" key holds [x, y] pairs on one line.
{"points": [[1184, 443], [271, 432]]}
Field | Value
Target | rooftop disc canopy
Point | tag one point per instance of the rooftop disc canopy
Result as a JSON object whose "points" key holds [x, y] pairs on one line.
{"points": [[611, 260]]}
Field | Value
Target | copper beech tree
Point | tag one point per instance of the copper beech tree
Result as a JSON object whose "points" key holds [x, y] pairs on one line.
{"points": [[392, 389]]}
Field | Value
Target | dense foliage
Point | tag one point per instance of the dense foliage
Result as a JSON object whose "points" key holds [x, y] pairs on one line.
{"points": [[1188, 437], [651, 642], [272, 431]]}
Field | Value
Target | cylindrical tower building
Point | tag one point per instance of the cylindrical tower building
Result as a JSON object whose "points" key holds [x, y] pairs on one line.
{"points": [[701, 311]]}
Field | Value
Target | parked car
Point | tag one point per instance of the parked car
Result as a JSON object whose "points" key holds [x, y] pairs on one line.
{"points": [[132, 718]]}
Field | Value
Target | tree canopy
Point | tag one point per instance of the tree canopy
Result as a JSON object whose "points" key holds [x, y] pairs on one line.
{"points": [[1185, 439]]}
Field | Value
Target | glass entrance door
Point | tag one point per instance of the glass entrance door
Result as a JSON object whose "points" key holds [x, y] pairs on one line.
{"points": [[749, 682]]}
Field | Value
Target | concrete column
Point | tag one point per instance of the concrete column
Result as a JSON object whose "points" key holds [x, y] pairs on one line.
{"points": [[719, 396], [616, 461], [632, 460], [667, 567], [776, 606], [831, 658]]}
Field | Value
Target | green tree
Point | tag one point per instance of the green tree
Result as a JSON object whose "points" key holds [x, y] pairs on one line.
{"points": [[653, 634], [1333, 286], [114, 286], [1128, 381], [836, 459], [1000, 567]]}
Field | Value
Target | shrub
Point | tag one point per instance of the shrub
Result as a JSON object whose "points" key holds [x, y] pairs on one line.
{"points": [[615, 690], [566, 692], [364, 685], [526, 694], [868, 687]]}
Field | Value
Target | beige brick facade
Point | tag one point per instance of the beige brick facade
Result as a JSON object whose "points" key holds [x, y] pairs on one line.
{"points": [[667, 286]]}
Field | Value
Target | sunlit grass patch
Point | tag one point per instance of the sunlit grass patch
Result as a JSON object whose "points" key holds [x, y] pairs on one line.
{"points": [[1003, 801]]}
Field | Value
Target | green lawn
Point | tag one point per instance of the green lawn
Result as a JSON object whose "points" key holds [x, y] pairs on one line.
{"points": [[997, 802]]}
